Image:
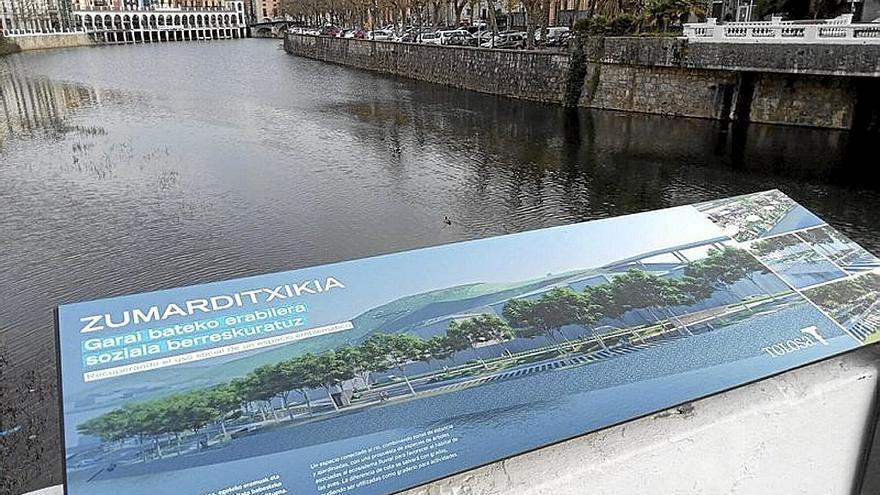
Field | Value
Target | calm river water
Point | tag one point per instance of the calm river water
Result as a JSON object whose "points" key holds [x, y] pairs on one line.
{"points": [[133, 168]]}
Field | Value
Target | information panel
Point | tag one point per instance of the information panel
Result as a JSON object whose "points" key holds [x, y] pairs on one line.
{"points": [[371, 376]]}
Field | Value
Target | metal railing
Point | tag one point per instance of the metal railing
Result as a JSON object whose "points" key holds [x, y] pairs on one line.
{"points": [[840, 30]]}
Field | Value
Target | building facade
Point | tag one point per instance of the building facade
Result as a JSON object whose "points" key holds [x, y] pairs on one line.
{"points": [[145, 4], [745, 10], [34, 15], [267, 10]]}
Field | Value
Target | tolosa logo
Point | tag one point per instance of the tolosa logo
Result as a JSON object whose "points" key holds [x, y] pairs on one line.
{"points": [[814, 332], [810, 337]]}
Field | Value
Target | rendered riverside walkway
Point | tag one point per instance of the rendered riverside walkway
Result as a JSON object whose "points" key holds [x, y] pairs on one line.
{"points": [[571, 354]]}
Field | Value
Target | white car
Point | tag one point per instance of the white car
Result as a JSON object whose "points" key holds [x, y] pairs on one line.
{"points": [[380, 35], [552, 32], [446, 36], [431, 38]]}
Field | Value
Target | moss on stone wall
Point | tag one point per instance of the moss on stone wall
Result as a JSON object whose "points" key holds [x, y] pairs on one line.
{"points": [[664, 76], [6, 47]]}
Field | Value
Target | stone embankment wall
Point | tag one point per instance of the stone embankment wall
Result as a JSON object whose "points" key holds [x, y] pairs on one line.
{"points": [[829, 86], [833, 86], [43, 41], [6, 47], [538, 76]]}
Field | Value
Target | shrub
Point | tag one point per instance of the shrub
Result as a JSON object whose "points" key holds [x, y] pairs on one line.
{"points": [[624, 24], [620, 25]]}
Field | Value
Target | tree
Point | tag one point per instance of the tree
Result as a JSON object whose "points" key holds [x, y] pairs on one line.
{"points": [[369, 359], [397, 349], [666, 12], [185, 411], [331, 369], [298, 374], [638, 289], [110, 427], [260, 386], [846, 293], [526, 320], [221, 400], [801, 9], [458, 6], [533, 10], [548, 314], [723, 268], [483, 328], [440, 347]]}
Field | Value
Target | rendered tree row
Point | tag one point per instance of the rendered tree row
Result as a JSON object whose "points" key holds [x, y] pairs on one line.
{"points": [[541, 316]]}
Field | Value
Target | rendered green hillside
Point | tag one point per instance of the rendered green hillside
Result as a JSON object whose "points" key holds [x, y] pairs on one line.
{"points": [[400, 315]]}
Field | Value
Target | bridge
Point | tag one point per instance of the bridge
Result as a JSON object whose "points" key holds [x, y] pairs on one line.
{"points": [[162, 24], [270, 28]]}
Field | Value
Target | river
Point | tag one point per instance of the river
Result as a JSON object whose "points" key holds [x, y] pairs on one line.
{"points": [[131, 168]]}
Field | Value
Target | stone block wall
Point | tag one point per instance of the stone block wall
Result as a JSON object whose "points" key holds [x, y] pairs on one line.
{"points": [[657, 90], [538, 76], [818, 59], [43, 41], [804, 100], [6, 47], [776, 84]]}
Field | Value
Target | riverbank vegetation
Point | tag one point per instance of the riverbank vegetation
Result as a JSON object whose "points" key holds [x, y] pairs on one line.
{"points": [[268, 392]]}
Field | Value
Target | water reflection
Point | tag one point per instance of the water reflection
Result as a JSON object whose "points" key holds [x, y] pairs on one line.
{"points": [[39, 105], [133, 168]]}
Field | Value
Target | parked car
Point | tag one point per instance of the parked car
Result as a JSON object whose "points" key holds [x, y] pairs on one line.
{"points": [[450, 37], [509, 41], [560, 41], [411, 35], [483, 37], [330, 31], [552, 32], [431, 38], [380, 35], [461, 39]]}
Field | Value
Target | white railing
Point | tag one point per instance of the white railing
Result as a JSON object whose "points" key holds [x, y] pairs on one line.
{"points": [[12, 33], [838, 30]]}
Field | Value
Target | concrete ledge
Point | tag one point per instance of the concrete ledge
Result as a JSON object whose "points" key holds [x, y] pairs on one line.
{"points": [[45, 41], [6, 47], [801, 432]]}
